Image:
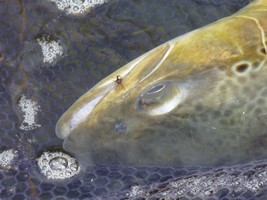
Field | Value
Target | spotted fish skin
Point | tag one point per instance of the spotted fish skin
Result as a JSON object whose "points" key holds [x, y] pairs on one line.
{"points": [[197, 99]]}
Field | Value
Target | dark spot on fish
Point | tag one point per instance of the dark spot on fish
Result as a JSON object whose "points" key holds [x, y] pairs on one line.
{"points": [[242, 68], [227, 113], [263, 51], [216, 114], [256, 64]]}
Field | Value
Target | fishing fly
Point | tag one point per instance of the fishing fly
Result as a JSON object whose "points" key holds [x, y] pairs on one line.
{"points": [[118, 81]]}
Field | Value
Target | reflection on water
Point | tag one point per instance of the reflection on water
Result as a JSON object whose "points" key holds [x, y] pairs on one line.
{"points": [[96, 44]]}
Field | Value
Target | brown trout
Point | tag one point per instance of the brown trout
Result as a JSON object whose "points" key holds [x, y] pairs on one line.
{"points": [[200, 98]]}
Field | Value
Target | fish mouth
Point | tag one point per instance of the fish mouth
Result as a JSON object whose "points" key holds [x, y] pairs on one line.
{"points": [[89, 149]]}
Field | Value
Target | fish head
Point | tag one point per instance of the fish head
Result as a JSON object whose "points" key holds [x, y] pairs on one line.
{"points": [[192, 100]]}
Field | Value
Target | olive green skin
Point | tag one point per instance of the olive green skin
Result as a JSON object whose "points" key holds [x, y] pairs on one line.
{"points": [[218, 80]]}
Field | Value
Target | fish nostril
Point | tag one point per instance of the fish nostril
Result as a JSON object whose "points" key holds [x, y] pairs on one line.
{"points": [[120, 128]]}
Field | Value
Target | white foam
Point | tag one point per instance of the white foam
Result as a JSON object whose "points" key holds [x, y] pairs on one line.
{"points": [[51, 49], [77, 7], [30, 110], [135, 191], [7, 157]]}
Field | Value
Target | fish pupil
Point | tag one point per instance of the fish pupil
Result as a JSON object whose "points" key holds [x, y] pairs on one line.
{"points": [[242, 68], [155, 89]]}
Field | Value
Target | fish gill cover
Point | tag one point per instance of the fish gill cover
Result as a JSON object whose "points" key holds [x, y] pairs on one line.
{"points": [[96, 44]]}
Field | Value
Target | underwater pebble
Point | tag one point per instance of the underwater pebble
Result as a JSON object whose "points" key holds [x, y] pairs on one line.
{"points": [[30, 110], [77, 7], [58, 165], [7, 157], [51, 49]]}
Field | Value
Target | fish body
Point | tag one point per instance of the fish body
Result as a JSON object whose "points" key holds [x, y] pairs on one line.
{"points": [[200, 98]]}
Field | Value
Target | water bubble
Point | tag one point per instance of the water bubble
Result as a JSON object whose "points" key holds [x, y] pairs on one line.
{"points": [[68, 173], [76, 8], [73, 167], [45, 161], [58, 163], [44, 167], [51, 49], [78, 1], [48, 173]]}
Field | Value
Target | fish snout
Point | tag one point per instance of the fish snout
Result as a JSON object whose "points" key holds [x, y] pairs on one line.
{"points": [[62, 129]]}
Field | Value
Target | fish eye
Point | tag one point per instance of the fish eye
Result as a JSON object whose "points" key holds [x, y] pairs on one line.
{"points": [[120, 128], [160, 98]]}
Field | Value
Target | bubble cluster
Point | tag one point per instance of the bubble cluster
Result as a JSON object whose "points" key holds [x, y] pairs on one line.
{"points": [[216, 183], [58, 165], [7, 157], [220, 183], [51, 49], [30, 110], [77, 7], [135, 190]]}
